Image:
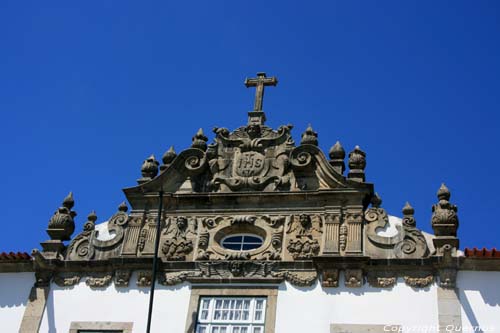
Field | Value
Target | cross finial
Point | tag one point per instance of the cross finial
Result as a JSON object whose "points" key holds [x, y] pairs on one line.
{"points": [[260, 82]]}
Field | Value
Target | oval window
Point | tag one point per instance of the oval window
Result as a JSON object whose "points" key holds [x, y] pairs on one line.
{"points": [[242, 242]]}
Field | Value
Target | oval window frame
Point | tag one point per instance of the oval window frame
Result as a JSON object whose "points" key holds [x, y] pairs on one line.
{"points": [[242, 243]]}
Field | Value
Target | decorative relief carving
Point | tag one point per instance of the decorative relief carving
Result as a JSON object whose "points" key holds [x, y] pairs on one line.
{"points": [[353, 278], [298, 278], [144, 279], [122, 278], [180, 235], [173, 278], [233, 269], [99, 281], [409, 242], [67, 281], [419, 282], [330, 278], [382, 281], [305, 232]]}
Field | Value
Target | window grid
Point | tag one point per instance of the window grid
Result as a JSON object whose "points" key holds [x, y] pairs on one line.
{"points": [[231, 315], [242, 242]]}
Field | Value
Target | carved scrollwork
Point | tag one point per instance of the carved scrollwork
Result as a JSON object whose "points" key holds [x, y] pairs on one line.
{"points": [[99, 281], [330, 278], [298, 278], [173, 278], [419, 282], [67, 281], [353, 278], [235, 269]]}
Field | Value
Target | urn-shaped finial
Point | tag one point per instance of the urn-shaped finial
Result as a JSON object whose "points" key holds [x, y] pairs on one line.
{"points": [[149, 168], [123, 207], [309, 137], [62, 225], [357, 164], [200, 140], [443, 193], [90, 224], [337, 156], [337, 152], [444, 220], [168, 157], [408, 218]]}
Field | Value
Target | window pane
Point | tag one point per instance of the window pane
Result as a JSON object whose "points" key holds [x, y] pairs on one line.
{"points": [[258, 315], [252, 239], [244, 330], [258, 304], [204, 314], [257, 330], [218, 304]]}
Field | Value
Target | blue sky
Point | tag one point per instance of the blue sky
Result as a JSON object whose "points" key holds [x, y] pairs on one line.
{"points": [[88, 90]]}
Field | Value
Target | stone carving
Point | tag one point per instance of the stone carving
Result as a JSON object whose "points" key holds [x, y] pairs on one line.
{"points": [[168, 157], [353, 278], [99, 281], [382, 282], [343, 237], [178, 246], [298, 278], [337, 156], [144, 279], [149, 169], [122, 278], [413, 243], [173, 278], [200, 140], [357, 165], [214, 229], [409, 242], [62, 225], [66, 281], [419, 282], [251, 158], [306, 232], [330, 278], [86, 245], [236, 269], [309, 137], [444, 220]]}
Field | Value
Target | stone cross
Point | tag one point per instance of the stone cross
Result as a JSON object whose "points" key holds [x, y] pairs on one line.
{"points": [[260, 82]]}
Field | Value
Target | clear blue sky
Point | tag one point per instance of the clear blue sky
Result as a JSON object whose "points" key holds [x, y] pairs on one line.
{"points": [[88, 90]]}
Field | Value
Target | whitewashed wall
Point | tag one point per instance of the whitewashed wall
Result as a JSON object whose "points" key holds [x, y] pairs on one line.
{"points": [[314, 309], [14, 292], [81, 303], [480, 299]]}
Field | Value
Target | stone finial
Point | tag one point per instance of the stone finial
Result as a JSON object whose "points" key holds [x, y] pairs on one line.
{"points": [[168, 158], [408, 218], [357, 164], [444, 220], [376, 201], [123, 207], [149, 169], [309, 137], [90, 224], [200, 140], [337, 156], [62, 225]]}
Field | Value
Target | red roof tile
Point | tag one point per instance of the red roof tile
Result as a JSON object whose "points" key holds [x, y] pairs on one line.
{"points": [[482, 253], [14, 256]]}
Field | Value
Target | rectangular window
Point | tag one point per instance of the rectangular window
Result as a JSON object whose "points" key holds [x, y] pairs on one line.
{"points": [[231, 315]]}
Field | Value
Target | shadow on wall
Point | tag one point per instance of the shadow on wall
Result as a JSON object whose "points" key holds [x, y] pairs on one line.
{"points": [[15, 289]]}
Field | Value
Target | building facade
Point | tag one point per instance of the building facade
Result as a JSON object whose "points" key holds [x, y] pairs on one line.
{"points": [[256, 234]]}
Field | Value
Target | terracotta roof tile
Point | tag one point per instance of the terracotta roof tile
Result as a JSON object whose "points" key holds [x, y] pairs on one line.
{"points": [[482, 253], [14, 256]]}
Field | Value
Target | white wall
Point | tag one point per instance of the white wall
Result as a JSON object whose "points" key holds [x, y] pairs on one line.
{"points": [[81, 303], [479, 294], [314, 309], [14, 292]]}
